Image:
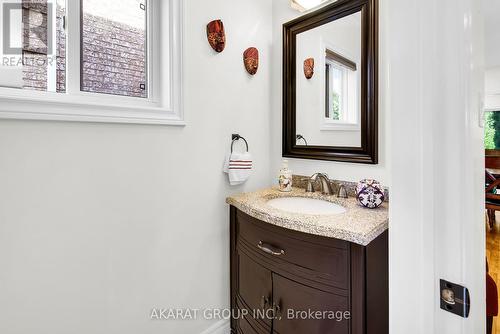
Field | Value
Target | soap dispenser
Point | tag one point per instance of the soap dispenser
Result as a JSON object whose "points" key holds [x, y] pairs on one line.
{"points": [[285, 178]]}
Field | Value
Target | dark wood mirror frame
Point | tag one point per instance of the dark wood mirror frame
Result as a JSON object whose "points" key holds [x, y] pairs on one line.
{"points": [[368, 152]]}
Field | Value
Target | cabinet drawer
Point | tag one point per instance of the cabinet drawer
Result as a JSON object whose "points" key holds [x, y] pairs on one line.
{"points": [[323, 258]]}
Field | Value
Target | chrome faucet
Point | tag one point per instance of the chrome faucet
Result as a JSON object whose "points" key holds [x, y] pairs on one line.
{"points": [[326, 187]]}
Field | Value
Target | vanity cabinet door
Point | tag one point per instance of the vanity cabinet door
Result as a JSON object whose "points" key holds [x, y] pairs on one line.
{"points": [[245, 327], [254, 288], [289, 295]]}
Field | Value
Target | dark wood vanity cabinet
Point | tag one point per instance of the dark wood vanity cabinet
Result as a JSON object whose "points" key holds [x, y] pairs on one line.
{"points": [[288, 282]]}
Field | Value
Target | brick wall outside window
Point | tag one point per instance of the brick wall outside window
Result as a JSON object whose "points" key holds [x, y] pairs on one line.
{"points": [[114, 53]]}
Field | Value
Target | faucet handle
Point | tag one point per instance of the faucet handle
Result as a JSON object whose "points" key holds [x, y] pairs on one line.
{"points": [[342, 193], [310, 185]]}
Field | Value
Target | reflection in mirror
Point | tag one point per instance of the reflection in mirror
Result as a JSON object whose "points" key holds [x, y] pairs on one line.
{"points": [[328, 103], [301, 138]]}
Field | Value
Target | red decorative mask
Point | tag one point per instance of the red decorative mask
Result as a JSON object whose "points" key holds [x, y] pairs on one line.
{"points": [[251, 60], [309, 68], [216, 35]]}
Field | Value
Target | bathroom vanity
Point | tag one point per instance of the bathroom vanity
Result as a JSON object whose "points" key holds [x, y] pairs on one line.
{"points": [[307, 273], [302, 262]]}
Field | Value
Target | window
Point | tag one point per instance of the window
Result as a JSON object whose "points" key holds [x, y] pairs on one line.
{"points": [[33, 45], [336, 91], [113, 55], [113, 60], [341, 91], [492, 130]]}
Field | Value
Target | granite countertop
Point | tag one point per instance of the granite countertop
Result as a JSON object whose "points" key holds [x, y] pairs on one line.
{"points": [[358, 224]]}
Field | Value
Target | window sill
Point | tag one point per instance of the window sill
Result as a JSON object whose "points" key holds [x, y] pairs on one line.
{"points": [[339, 126], [76, 110]]}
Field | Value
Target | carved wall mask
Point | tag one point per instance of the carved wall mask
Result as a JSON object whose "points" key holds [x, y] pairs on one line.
{"points": [[309, 68], [251, 60], [216, 35]]}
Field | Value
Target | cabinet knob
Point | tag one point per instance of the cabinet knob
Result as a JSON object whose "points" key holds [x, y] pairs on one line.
{"points": [[264, 302], [277, 312]]}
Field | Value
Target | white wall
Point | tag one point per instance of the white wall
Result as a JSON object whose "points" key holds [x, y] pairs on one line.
{"points": [[344, 37], [282, 13], [99, 223], [492, 88], [491, 9], [437, 169]]}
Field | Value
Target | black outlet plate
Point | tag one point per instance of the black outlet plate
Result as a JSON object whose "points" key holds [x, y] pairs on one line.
{"points": [[461, 304]]}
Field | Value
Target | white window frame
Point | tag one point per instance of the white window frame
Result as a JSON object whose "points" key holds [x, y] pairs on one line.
{"points": [[165, 83], [343, 94], [351, 121]]}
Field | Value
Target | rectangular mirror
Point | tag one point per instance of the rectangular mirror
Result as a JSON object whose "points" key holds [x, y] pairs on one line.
{"points": [[330, 83]]}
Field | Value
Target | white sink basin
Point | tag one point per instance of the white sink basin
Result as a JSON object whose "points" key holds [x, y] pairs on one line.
{"points": [[310, 206]]}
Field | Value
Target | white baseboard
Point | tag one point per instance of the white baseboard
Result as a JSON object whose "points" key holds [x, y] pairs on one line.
{"points": [[221, 327]]}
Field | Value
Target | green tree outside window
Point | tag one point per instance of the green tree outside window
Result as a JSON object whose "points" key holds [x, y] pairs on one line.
{"points": [[492, 131], [336, 106]]}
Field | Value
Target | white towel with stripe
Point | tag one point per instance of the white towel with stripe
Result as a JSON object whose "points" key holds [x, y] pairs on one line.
{"points": [[239, 167]]}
